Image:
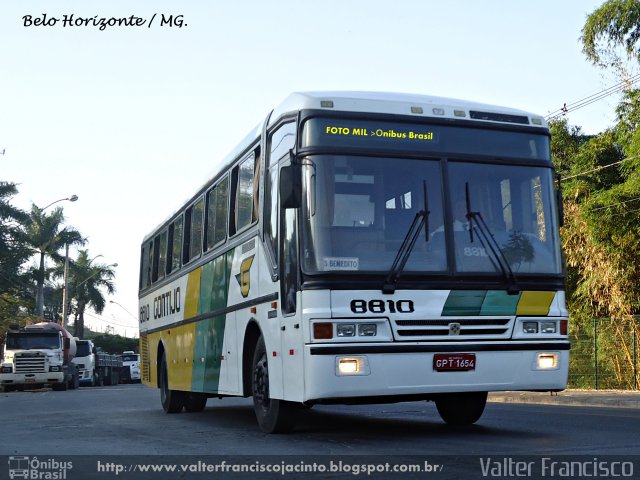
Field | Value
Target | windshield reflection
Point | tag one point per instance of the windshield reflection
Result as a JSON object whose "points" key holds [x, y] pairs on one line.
{"points": [[358, 210]]}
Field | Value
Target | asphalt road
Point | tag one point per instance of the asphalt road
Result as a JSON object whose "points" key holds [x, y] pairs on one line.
{"points": [[128, 420]]}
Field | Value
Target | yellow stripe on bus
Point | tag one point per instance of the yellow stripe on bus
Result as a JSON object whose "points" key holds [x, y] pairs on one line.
{"points": [[535, 303], [179, 342], [193, 294]]}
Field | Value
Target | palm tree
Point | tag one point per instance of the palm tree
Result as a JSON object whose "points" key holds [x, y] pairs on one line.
{"points": [[86, 281], [47, 236], [13, 251]]}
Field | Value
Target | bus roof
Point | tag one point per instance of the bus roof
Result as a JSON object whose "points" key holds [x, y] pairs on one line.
{"points": [[402, 104], [372, 102]]}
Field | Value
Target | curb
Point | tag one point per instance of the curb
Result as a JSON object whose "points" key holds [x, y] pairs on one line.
{"points": [[581, 398]]}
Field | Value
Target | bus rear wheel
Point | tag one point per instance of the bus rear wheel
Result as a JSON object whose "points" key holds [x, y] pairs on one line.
{"points": [[274, 416], [195, 402], [461, 408], [172, 400]]}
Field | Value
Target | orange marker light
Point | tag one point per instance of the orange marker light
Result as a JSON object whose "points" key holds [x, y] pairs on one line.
{"points": [[322, 330]]}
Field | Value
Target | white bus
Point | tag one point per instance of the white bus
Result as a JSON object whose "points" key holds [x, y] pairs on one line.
{"points": [[362, 248]]}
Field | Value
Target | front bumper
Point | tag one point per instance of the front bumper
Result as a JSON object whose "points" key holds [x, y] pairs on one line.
{"points": [[408, 369], [31, 378]]}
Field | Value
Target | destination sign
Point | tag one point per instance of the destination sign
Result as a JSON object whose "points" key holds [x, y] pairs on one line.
{"points": [[419, 134], [433, 139]]}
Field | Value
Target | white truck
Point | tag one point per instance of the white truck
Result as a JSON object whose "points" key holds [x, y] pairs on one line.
{"points": [[38, 355], [130, 367], [96, 368]]}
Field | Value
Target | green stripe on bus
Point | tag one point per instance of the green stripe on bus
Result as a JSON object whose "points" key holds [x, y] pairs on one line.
{"points": [[209, 342], [499, 302], [464, 302]]}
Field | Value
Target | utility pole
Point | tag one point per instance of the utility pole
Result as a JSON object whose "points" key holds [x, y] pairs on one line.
{"points": [[65, 289]]}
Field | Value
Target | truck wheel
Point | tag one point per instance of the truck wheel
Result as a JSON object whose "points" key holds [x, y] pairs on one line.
{"points": [[461, 408], [60, 387], [274, 416], [195, 402], [172, 400]]}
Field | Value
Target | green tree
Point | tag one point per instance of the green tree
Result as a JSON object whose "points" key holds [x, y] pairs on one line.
{"points": [[611, 33], [87, 280], [13, 251], [15, 291], [46, 236]]}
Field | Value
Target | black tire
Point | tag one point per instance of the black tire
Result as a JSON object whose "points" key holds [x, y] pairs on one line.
{"points": [[8, 388], [173, 401], [461, 408], [59, 387], [195, 402], [274, 416]]}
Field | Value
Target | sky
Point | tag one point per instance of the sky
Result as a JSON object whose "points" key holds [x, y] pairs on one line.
{"points": [[133, 119]]}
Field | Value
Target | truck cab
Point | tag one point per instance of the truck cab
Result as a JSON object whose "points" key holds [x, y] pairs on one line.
{"points": [[130, 367], [38, 355], [86, 361]]}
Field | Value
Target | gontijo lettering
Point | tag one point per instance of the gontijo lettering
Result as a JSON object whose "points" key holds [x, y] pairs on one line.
{"points": [[379, 132]]}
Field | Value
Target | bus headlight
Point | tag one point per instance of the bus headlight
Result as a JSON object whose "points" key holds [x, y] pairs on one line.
{"points": [[367, 329], [548, 327], [345, 329], [351, 330]]}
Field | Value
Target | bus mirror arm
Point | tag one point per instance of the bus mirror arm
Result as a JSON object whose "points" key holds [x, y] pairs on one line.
{"points": [[291, 186]]}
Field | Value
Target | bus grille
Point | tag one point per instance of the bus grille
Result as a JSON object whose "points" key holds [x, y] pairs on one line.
{"points": [[453, 328], [145, 366], [29, 364]]}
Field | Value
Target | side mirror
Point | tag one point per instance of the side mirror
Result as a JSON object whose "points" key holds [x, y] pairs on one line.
{"points": [[67, 343], [291, 186]]}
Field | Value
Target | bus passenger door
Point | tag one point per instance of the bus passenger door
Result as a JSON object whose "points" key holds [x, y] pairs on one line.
{"points": [[290, 325]]}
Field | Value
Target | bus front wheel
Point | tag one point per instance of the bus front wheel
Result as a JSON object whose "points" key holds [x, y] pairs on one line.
{"points": [[461, 408], [274, 416], [172, 400]]}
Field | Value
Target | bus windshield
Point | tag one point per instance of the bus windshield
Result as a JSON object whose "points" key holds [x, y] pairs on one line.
{"points": [[359, 209]]}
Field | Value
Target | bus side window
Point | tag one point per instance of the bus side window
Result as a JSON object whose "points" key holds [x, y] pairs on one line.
{"points": [[192, 245], [244, 190], [280, 142], [174, 246], [289, 261], [145, 264], [216, 217], [159, 257]]}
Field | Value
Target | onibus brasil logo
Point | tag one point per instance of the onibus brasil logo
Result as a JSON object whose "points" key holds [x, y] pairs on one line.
{"points": [[33, 468]]}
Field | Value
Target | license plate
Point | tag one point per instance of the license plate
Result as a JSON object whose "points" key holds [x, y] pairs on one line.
{"points": [[454, 362], [29, 380]]}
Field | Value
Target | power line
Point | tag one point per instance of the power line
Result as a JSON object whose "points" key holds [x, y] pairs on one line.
{"points": [[583, 102], [105, 320], [598, 168], [625, 213], [615, 204]]}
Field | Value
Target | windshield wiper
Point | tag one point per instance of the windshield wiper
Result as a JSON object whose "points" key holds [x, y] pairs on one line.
{"points": [[420, 220], [487, 239]]}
